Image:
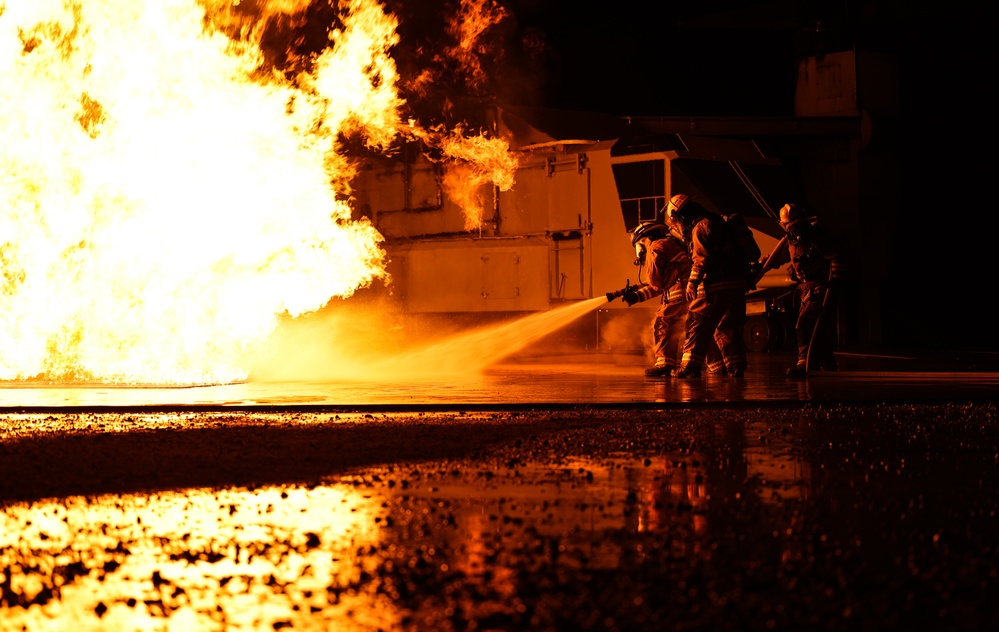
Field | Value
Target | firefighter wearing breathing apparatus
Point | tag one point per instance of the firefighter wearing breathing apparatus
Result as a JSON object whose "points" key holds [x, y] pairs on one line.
{"points": [[716, 288], [665, 265], [816, 265], [663, 270]]}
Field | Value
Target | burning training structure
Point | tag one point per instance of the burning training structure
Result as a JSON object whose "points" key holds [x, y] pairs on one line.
{"points": [[559, 233]]}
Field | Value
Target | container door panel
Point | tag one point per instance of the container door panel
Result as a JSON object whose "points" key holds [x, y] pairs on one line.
{"points": [[568, 199]]}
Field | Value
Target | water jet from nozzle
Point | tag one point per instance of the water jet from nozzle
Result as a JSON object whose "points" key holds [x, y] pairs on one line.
{"points": [[373, 343], [471, 352]]}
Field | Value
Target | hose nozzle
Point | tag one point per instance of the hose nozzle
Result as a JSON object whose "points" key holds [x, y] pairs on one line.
{"points": [[613, 295]]}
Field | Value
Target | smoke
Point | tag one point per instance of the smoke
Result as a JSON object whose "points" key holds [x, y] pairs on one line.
{"points": [[345, 341], [627, 331]]}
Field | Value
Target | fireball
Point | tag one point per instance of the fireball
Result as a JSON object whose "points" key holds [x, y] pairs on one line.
{"points": [[164, 197]]}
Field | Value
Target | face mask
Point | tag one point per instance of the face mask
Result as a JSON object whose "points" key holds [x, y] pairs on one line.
{"points": [[639, 253]]}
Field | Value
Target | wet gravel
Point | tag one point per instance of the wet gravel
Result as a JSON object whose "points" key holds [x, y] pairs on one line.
{"points": [[720, 517]]}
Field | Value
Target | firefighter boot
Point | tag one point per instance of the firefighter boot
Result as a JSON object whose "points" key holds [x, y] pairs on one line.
{"points": [[716, 367], [688, 370], [659, 369], [797, 371]]}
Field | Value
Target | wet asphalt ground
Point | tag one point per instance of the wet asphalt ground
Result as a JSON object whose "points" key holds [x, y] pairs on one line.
{"points": [[542, 496], [564, 381]]}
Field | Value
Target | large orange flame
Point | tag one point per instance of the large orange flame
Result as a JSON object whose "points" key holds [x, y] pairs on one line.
{"points": [[162, 204]]}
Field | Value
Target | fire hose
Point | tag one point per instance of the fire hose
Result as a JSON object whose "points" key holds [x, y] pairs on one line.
{"points": [[817, 328], [617, 293], [769, 262]]}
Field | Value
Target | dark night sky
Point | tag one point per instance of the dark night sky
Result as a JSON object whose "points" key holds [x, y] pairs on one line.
{"points": [[706, 58], [646, 59], [697, 58]]}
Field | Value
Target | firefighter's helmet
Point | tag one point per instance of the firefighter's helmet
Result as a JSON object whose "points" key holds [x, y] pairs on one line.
{"points": [[646, 230], [652, 230], [793, 220], [681, 213]]}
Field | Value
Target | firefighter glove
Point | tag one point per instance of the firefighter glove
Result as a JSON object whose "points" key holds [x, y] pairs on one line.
{"points": [[631, 297], [692, 290]]}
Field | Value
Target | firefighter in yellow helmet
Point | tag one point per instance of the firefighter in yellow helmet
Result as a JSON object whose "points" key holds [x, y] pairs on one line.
{"points": [[716, 288], [664, 268], [816, 265]]}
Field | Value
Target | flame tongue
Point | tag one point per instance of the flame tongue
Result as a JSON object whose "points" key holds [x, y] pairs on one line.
{"points": [[473, 162], [159, 207]]}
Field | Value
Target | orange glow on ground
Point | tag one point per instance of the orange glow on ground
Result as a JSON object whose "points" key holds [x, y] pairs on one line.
{"points": [[202, 559]]}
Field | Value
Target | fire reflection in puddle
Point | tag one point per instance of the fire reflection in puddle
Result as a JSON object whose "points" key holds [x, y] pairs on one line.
{"points": [[566, 505], [200, 559], [431, 546]]}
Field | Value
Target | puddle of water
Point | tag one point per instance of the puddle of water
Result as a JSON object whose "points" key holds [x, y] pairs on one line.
{"points": [[200, 559], [256, 559], [302, 556], [723, 519]]}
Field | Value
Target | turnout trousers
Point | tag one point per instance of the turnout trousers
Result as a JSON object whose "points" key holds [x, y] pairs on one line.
{"points": [[668, 332], [815, 309], [716, 316]]}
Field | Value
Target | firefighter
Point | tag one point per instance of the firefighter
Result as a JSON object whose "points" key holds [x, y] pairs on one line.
{"points": [[716, 288], [664, 268], [816, 265]]}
